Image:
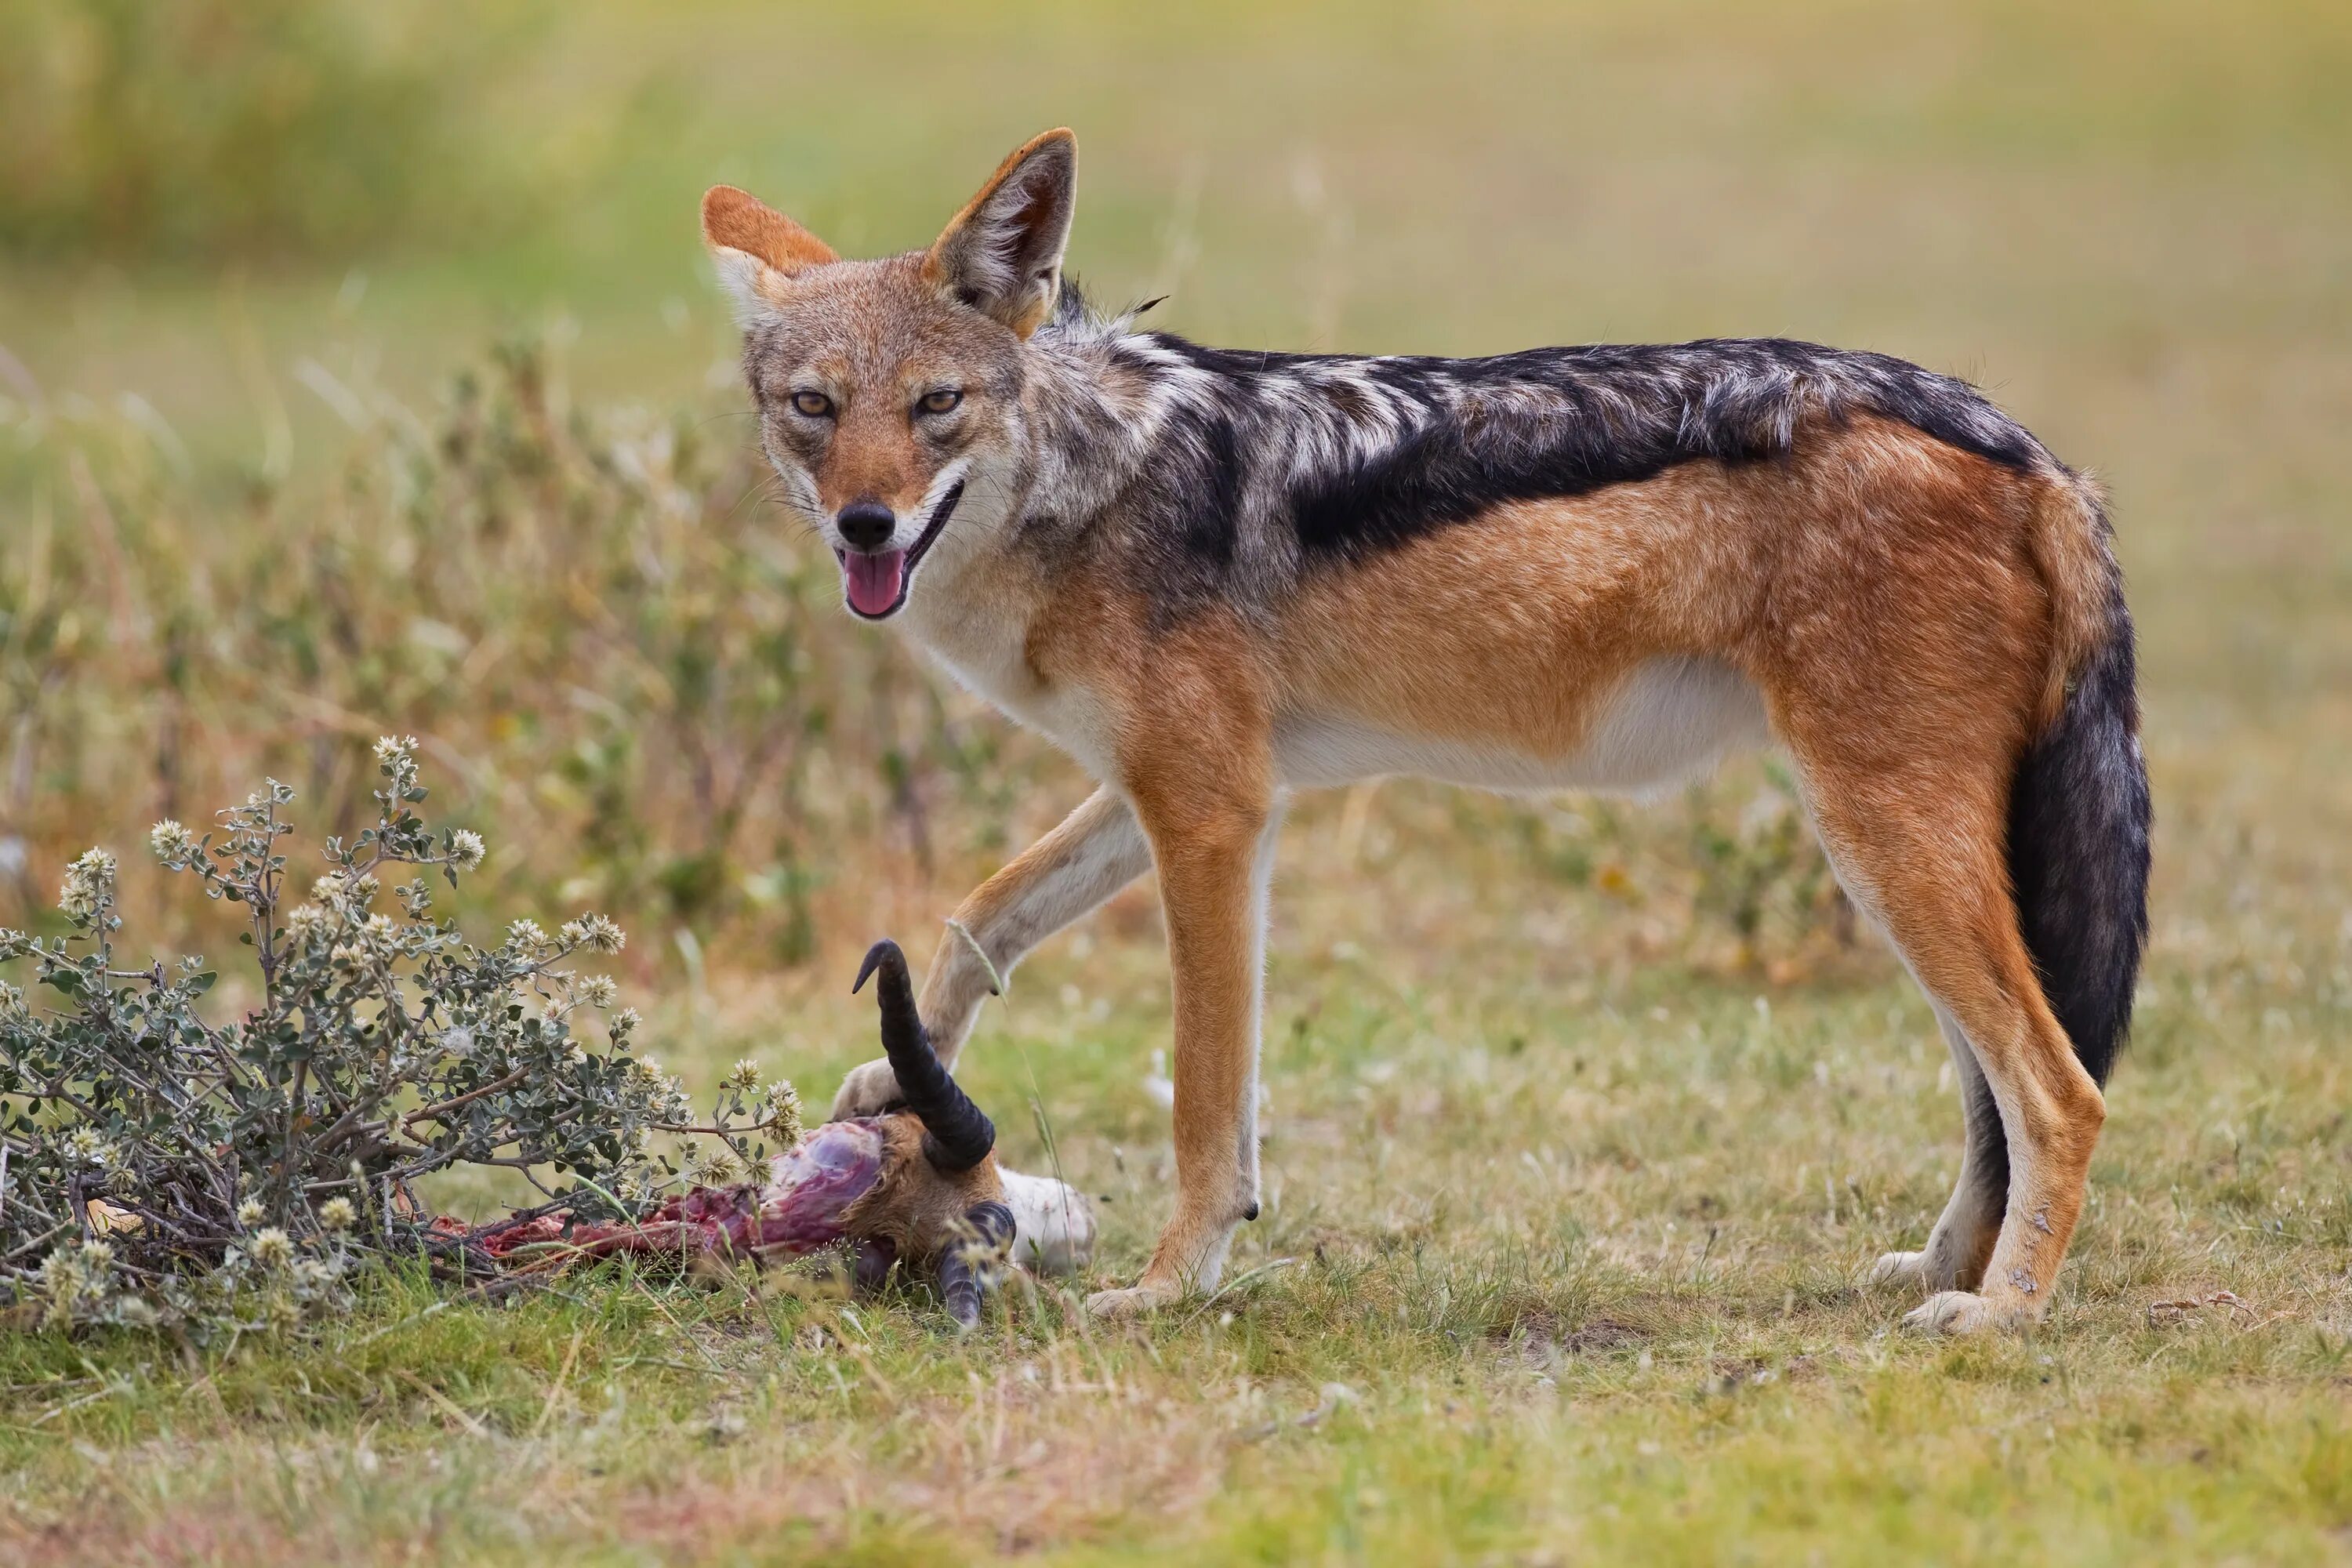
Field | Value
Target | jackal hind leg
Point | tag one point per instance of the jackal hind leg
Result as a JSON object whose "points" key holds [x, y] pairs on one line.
{"points": [[1962, 1241], [1922, 848]]}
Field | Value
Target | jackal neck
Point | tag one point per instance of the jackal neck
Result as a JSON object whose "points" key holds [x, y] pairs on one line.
{"points": [[1089, 412]]}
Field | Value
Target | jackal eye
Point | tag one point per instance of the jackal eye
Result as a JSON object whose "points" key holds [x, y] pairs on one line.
{"points": [[941, 402], [815, 404]]}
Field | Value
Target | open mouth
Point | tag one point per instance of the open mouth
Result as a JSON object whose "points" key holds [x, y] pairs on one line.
{"points": [[875, 582]]}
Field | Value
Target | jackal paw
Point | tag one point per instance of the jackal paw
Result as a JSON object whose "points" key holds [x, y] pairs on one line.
{"points": [[1954, 1312], [1136, 1301], [1898, 1268], [869, 1087]]}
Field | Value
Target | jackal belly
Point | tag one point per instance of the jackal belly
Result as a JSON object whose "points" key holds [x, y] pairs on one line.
{"points": [[1667, 719]]}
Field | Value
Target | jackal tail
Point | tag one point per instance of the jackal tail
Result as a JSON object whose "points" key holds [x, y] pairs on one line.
{"points": [[2079, 810]]}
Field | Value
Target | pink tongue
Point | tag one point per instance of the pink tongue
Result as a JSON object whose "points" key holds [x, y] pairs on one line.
{"points": [[874, 581]]}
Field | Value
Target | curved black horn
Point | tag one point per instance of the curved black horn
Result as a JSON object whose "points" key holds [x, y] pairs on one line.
{"points": [[958, 1134]]}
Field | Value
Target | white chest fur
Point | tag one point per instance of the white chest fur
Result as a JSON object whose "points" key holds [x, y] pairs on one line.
{"points": [[986, 651]]}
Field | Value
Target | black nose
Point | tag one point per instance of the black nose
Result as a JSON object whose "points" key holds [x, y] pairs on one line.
{"points": [[867, 525]]}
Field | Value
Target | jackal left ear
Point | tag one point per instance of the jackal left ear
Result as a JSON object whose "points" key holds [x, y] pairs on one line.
{"points": [[754, 246], [1003, 254]]}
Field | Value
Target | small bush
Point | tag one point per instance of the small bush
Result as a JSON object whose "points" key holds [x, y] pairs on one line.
{"points": [[157, 1165], [625, 663]]}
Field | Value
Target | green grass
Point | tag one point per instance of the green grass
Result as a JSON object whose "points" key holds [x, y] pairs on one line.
{"points": [[1565, 1208], [1559, 1282]]}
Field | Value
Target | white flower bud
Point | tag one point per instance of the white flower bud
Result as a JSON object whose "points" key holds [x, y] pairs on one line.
{"points": [[272, 1247], [172, 844], [596, 932], [88, 886], [782, 1112]]}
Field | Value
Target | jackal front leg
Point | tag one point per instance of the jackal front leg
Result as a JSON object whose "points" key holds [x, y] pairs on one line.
{"points": [[1096, 850], [1215, 865]]}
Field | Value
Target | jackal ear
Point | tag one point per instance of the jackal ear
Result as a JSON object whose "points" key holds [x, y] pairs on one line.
{"points": [[1003, 254], [755, 248]]}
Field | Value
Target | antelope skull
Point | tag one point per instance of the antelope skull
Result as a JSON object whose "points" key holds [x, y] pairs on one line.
{"points": [[918, 1184]]}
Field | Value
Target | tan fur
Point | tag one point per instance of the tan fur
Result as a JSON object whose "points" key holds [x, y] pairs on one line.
{"points": [[2070, 550], [1905, 659], [939, 263], [1195, 756], [1092, 854], [1513, 628], [1510, 629], [916, 1204], [737, 220], [1907, 616], [881, 339], [1886, 593]]}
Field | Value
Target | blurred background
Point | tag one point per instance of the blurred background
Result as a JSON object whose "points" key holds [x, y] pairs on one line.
{"points": [[360, 373]]}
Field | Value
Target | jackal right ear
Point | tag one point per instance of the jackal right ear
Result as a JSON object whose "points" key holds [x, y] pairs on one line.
{"points": [[1003, 254], [755, 248]]}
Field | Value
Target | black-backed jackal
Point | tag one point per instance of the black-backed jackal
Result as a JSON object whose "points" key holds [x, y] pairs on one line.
{"points": [[1218, 577]]}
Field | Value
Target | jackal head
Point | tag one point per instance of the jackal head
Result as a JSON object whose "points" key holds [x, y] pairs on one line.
{"points": [[890, 391]]}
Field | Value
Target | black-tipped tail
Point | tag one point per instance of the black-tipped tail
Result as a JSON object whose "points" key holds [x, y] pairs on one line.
{"points": [[2078, 849]]}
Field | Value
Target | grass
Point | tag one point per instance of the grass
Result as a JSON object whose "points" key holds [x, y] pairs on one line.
{"points": [[1565, 1202], [1536, 1282]]}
